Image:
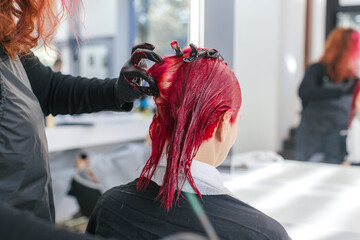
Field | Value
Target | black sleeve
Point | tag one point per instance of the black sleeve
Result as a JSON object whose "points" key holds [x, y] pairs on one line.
{"points": [[21, 225], [66, 94], [107, 219], [315, 87]]}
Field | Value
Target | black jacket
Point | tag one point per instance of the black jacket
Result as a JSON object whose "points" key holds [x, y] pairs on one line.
{"points": [[28, 91], [316, 86], [126, 213], [326, 109]]}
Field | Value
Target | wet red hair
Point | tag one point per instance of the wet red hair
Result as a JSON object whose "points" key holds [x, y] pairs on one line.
{"points": [[24, 22], [341, 54], [192, 98]]}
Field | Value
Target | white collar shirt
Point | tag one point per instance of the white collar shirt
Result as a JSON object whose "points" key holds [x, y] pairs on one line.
{"points": [[207, 178]]}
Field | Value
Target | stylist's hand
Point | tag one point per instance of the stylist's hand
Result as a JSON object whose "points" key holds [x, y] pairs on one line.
{"points": [[134, 71]]}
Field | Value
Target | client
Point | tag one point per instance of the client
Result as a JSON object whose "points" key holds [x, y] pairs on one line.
{"points": [[193, 129]]}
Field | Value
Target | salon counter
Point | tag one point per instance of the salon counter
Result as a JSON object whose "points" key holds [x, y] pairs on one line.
{"points": [[311, 200], [91, 131]]}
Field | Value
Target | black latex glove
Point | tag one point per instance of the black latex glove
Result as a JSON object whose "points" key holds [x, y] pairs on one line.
{"points": [[128, 86]]}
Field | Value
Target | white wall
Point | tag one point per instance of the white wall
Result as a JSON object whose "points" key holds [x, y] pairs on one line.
{"points": [[63, 30], [318, 23], [215, 34], [256, 64], [291, 65], [268, 61], [121, 51], [95, 21], [100, 21]]}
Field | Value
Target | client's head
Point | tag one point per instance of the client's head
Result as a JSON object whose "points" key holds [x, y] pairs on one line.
{"points": [[197, 108]]}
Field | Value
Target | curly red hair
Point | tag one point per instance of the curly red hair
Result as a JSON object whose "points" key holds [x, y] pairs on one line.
{"points": [[24, 22], [341, 54]]}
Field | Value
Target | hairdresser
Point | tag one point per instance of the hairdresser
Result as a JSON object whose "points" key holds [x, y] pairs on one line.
{"points": [[325, 93], [29, 90]]}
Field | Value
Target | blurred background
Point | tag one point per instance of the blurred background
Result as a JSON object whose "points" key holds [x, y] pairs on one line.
{"points": [[268, 44]]}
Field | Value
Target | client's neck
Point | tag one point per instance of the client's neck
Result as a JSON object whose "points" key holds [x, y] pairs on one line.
{"points": [[208, 153]]}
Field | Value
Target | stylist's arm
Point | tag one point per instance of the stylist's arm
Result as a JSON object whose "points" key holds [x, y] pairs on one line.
{"points": [[58, 93]]}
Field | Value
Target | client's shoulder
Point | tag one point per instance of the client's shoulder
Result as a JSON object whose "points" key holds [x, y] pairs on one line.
{"points": [[246, 218], [128, 192], [117, 205], [121, 189]]}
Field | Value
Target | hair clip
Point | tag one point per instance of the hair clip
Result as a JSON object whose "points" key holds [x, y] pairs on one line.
{"points": [[193, 54], [207, 53], [213, 53], [177, 49]]}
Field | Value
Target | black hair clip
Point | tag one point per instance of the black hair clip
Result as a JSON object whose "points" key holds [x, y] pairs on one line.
{"points": [[213, 53], [207, 53], [194, 54], [175, 46]]}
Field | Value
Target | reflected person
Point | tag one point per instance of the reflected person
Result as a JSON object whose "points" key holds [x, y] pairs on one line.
{"points": [[325, 93]]}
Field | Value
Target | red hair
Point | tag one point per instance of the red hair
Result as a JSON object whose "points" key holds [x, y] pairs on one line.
{"points": [[193, 96], [24, 22], [341, 54]]}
